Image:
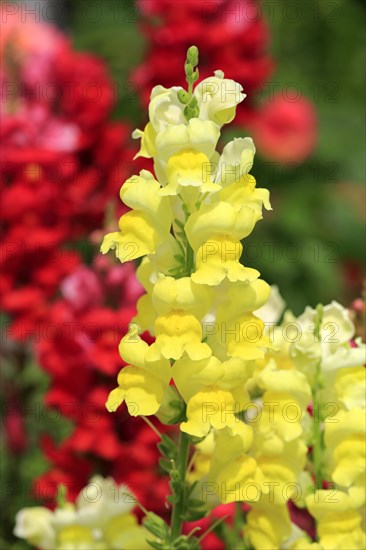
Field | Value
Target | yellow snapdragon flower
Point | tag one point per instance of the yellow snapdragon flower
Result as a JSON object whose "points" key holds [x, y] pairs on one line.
{"points": [[339, 525], [218, 97], [345, 440], [268, 525], [141, 384], [145, 227], [180, 305], [214, 232]]}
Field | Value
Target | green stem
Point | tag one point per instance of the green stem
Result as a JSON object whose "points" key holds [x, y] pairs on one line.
{"points": [[189, 259], [179, 506], [317, 433], [238, 519]]}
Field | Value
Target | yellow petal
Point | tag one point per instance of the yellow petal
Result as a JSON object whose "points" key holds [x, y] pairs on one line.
{"points": [[177, 333], [219, 219], [148, 136], [142, 391], [189, 168], [210, 407]]}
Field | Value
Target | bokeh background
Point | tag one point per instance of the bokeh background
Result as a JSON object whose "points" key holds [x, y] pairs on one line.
{"points": [[73, 89]]}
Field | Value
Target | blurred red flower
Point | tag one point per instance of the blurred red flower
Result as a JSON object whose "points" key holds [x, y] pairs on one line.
{"points": [[14, 429], [285, 130], [62, 162]]}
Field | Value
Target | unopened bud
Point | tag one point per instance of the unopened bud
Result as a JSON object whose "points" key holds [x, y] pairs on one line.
{"points": [[156, 525], [191, 112], [188, 69], [195, 75], [183, 96], [192, 55]]}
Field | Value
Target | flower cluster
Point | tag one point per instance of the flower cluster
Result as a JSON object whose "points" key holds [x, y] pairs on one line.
{"points": [[189, 224], [252, 399], [61, 159], [318, 370], [100, 519], [199, 302], [337, 374]]}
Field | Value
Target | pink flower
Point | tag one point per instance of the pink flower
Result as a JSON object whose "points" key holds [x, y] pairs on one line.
{"points": [[285, 131], [82, 289]]}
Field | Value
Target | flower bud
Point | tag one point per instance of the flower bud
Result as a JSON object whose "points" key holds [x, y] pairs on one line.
{"points": [[183, 96], [156, 525], [195, 75], [188, 70], [191, 112], [192, 55], [193, 103]]}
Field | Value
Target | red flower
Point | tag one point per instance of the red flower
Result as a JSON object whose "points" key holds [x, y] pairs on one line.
{"points": [[286, 130], [15, 434], [63, 161]]}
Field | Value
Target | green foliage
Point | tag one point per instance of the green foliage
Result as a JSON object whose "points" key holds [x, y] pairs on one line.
{"points": [[312, 48], [111, 32]]}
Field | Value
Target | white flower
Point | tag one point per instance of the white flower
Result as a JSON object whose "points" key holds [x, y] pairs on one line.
{"points": [[102, 509], [218, 97], [64, 517], [101, 500], [165, 109], [35, 526], [333, 346], [235, 161]]}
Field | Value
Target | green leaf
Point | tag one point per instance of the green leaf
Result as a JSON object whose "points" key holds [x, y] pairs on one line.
{"points": [[195, 515], [165, 465], [168, 445], [156, 525], [195, 503], [173, 499], [154, 544]]}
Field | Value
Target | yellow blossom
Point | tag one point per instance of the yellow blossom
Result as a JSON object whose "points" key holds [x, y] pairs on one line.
{"points": [[268, 525], [145, 227], [141, 384]]}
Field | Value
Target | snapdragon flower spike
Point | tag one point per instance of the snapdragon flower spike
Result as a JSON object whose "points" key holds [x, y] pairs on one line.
{"points": [[189, 221]]}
